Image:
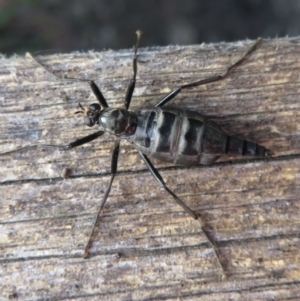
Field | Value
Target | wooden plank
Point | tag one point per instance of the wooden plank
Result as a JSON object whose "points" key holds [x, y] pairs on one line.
{"points": [[147, 248]]}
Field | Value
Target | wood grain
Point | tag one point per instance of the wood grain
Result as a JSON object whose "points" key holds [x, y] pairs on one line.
{"points": [[147, 247]]}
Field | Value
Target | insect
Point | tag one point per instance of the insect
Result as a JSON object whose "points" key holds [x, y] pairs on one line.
{"points": [[166, 133]]}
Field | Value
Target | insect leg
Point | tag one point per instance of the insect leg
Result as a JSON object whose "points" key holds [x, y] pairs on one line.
{"points": [[77, 142], [94, 88], [114, 165], [98, 94], [212, 79], [160, 180], [92, 84], [73, 144], [131, 85], [80, 141]]}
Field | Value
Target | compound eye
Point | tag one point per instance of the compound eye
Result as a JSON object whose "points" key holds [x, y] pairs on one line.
{"points": [[88, 121], [94, 107]]}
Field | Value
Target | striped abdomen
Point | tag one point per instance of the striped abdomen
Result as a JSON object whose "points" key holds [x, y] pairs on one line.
{"points": [[186, 137]]}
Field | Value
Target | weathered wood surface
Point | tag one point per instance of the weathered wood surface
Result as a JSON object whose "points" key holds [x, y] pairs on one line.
{"points": [[147, 247]]}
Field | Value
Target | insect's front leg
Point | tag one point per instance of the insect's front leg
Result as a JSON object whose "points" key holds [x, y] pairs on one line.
{"points": [[73, 144], [77, 142], [96, 90]]}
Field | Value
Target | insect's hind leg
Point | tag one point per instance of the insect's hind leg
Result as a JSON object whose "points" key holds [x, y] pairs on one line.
{"points": [[188, 210], [212, 79]]}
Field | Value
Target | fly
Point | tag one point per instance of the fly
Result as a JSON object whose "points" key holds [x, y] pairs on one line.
{"points": [[169, 134]]}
